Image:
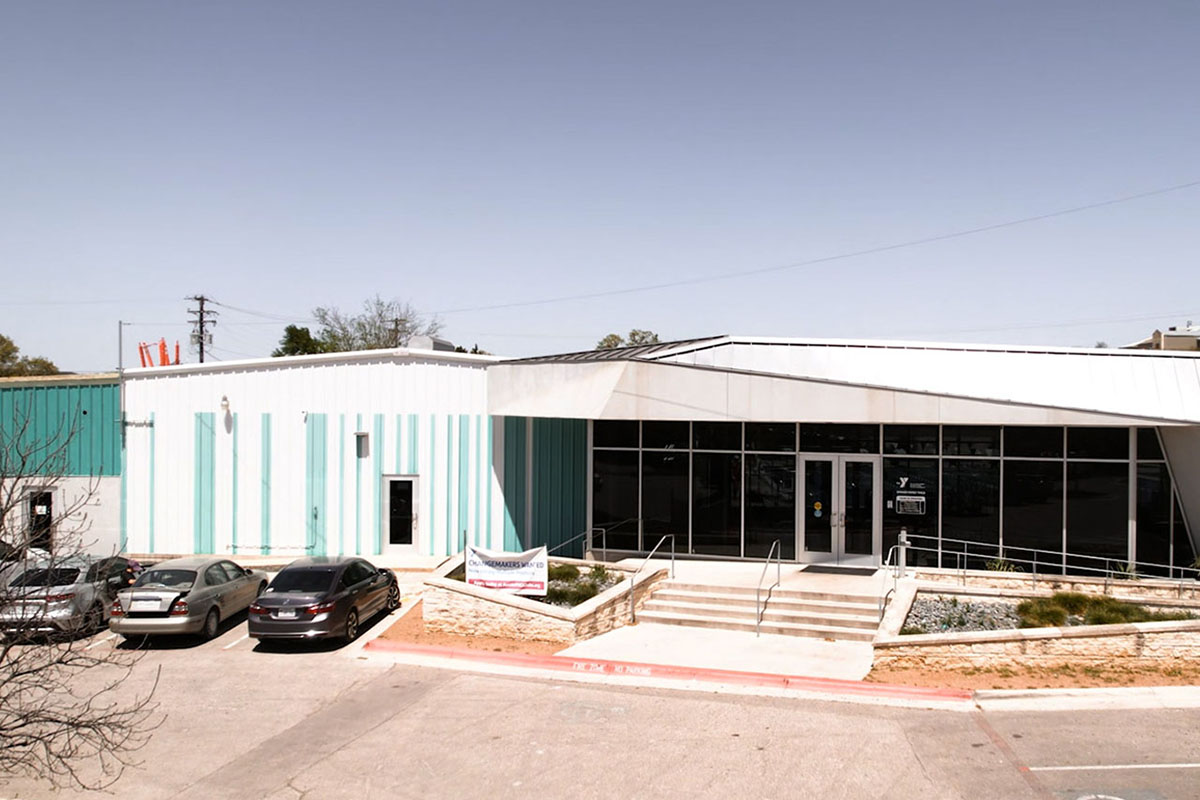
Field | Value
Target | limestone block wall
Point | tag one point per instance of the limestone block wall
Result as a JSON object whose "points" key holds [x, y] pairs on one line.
{"points": [[453, 606], [1132, 644], [1026, 582]]}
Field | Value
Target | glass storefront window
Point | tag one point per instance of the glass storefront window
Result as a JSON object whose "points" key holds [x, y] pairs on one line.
{"points": [[913, 440], [717, 504], [1184, 556], [910, 501], [665, 497], [830, 438], [1033, 442], [665, 435], [717, 435], [614, 433], [770, 505], [970, 511], [1033, 514], [1148, 447], [1153, 519], [970, 440], [1109, 443], [615, 496], [1097, 515], [771, 436]]}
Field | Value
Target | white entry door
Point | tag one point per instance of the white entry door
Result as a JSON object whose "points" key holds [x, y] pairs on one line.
{"points": [[841, 516]]}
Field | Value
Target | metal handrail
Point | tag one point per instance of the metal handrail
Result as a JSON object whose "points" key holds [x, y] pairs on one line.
{"points": [[759, 609], [894, 570], [1106, 569], [561, 545], [638, 571]]}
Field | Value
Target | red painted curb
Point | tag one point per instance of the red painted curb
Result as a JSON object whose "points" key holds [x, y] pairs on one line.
{"points": [[637, 669]]}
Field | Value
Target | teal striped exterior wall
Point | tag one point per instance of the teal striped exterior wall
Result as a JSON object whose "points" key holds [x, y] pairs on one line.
{"points": [[559, 483], [514, 483], [316, 460], [85, 418], [204, 483]]}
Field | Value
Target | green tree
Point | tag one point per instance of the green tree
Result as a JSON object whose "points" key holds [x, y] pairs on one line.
{"points": [[13, 364], [298, 341], [382, 324], [636, 337]]}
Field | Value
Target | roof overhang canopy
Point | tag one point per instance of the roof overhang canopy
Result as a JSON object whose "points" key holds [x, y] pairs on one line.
{"points": [[729, 379]]}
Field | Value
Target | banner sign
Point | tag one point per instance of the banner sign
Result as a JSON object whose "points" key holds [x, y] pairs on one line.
{"points": [[518, 573]]}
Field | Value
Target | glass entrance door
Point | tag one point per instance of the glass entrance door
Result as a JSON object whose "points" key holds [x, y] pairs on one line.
{"points": [[841, 514], [399, 514]]}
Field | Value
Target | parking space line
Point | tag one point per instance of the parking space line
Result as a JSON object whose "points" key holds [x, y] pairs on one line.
{"points": [[243, 638], [1097, 767], [99, 642]]}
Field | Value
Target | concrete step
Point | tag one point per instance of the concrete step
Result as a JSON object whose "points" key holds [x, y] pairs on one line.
{"points": [[770, 614], [781, 628], [778, 593], [774, 601]]}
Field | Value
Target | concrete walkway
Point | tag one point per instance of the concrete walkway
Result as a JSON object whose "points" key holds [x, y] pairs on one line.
{"points": [[717, 649]]}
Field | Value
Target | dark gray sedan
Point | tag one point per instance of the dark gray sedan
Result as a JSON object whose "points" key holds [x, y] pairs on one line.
{"points": [[314, 598], [185, 595]]}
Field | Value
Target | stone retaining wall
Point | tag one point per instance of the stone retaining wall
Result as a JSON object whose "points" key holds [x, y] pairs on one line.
{"points": [[1132, 644], [1022, 581], [455, 607]]}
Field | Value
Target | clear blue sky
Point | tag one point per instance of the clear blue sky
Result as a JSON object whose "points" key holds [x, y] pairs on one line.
{"points": [[283, 155]]}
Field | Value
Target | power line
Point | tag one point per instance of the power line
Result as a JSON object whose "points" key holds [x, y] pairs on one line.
{"points": [[263, 314], [827, 259]]}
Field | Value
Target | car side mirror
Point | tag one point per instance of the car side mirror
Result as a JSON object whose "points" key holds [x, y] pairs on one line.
{"points": [[247, 571]]}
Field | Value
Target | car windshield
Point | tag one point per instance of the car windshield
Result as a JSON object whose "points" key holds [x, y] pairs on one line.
{"points": [[165, 578], [302, 581], [47, 577]]}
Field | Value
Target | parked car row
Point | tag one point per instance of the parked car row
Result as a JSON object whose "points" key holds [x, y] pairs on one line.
{"points": [[64, 596], [311, 598]]}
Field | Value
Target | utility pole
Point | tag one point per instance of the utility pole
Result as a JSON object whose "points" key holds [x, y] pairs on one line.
{"points": [[201, 322]]}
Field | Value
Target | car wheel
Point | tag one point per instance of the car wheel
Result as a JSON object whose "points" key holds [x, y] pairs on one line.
{"points": [[351, 625], [393, 598], [211, 623]]}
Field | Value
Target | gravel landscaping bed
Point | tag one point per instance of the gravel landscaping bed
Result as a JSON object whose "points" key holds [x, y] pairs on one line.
{"points": [[934, 613]]}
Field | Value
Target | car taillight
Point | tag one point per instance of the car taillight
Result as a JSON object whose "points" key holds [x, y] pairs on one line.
{"points": [[116, 610], [179, 608], [320, 608], [55, 598], [255, 608]]}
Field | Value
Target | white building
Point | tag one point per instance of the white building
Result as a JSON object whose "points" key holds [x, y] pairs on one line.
{"points": [[1058, 458]]}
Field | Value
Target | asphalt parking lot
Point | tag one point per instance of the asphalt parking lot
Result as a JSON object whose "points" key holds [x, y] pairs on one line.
{"points": [[329, 721]]}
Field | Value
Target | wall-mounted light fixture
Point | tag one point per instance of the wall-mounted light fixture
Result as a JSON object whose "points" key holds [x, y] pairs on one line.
{"points": [[225, 403]]}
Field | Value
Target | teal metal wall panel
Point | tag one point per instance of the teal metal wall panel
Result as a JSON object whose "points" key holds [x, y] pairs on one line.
{"points": [[204, 507], [559, 483], [316, 460], [265, 493], [377, 485], [81, 421], [514, 483]]}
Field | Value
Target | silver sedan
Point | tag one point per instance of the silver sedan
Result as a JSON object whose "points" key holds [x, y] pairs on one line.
{"points": [[185, 595]]}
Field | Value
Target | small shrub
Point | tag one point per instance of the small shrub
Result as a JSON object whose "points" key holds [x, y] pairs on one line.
{"points": [[909, 630], [1001, 565], [1041, 612], [599, 574], [1074, 603], [562, 572]]}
